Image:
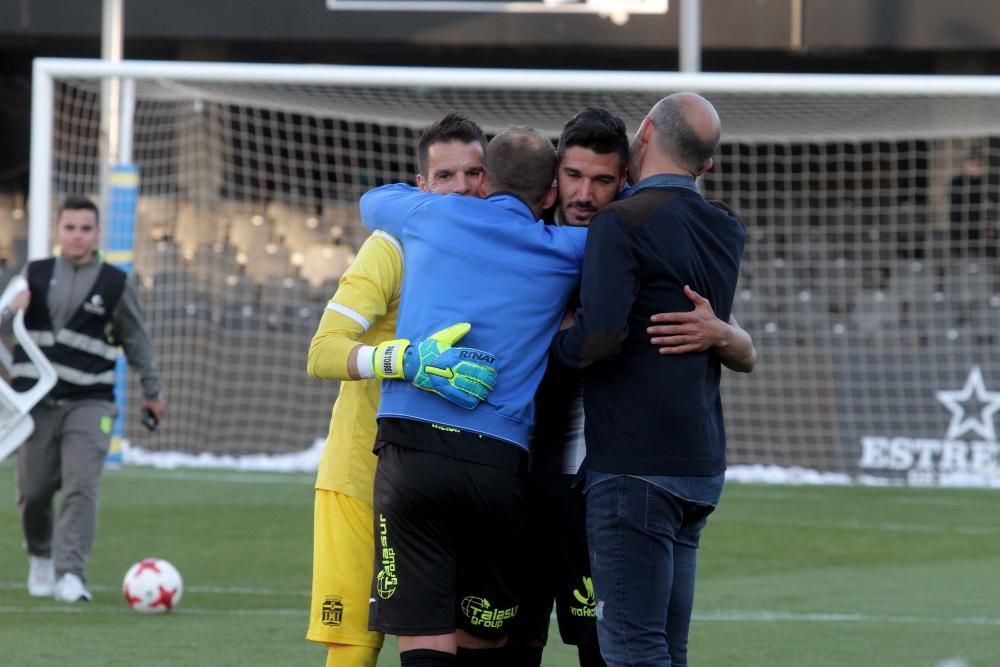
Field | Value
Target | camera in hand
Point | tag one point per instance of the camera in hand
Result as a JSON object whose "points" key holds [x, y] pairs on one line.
{"points": [[149, 419]]}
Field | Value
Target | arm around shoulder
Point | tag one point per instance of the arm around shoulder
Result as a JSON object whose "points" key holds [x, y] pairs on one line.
{"points": [[387, 206], [699, 330], [607, 292], [362, 299], [331, 347], [736, 350]]}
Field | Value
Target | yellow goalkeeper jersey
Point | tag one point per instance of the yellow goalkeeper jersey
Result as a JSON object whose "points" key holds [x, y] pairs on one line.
{"points": [[364, 310]]}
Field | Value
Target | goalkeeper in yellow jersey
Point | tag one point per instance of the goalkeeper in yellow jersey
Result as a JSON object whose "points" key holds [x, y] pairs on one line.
{"points": [[362, 314]]}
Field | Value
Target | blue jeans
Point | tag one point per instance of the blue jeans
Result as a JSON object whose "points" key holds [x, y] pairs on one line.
{"points": [[643, 552]]}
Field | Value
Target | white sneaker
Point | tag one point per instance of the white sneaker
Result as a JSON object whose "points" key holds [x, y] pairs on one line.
{"points": [[70, 588], [41, 577]]}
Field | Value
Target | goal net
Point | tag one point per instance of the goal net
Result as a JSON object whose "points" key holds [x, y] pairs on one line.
{"points": [[870, 281]]}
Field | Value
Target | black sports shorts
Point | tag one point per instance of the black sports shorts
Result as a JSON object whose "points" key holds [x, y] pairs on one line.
{"points": [[559, 569], [448, 546]]}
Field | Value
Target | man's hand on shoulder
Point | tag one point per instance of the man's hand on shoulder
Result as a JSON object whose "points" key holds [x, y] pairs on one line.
{"points": [[692, 331], [465, 376], [699, 330]]}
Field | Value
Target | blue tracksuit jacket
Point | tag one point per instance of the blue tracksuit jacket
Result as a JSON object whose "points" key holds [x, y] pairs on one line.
{"points": [[488, 262]]}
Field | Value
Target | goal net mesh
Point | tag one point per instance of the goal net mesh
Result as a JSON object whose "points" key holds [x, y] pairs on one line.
{"points": [[870, 281]]}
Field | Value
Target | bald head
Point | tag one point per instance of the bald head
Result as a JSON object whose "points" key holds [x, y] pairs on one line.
{"points": [[522, 162], [687, 130]]}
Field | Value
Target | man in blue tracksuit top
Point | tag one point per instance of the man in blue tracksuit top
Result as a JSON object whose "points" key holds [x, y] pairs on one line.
{"points": [[448, 488]]}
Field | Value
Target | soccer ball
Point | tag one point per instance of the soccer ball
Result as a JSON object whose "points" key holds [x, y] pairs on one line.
{"points": [[152, 586]]}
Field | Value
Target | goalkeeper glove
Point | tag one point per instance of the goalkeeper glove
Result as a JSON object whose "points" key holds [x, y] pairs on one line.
{"points": [[463, 375]]}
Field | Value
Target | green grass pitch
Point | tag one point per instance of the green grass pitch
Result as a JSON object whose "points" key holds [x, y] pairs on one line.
{"points": [[789, 576]]}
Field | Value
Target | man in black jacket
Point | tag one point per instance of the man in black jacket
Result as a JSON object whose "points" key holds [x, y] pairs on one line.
{"points": [[78, 311], [654, 429], [593, 155]]}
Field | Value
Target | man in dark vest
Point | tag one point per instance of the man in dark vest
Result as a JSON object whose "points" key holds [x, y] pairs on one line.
{"points": [[79, 310]]}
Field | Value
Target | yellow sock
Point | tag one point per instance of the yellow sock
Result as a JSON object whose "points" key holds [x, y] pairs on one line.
{"points": [[347, 655]]}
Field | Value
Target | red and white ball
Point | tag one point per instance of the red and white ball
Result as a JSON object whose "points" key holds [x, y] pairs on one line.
{"points": [[152, 586]]}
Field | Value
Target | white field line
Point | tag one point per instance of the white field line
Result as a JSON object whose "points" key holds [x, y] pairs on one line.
{"points": [[884, 527], [722, 616], [234, 477], [734, 491], [944, 502], [763, 616], [84, 608], [743, 492], [211, 590]]}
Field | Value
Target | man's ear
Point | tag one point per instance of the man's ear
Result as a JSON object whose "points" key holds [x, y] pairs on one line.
{"points": [[550, 196], [647, 129], [706, 167], [422, 182]]}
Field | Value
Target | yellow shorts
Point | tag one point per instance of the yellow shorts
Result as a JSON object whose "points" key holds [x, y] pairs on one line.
{"points": [[343, 558]]}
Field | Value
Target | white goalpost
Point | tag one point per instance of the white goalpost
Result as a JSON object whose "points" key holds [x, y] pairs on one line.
{"points": [[870, 280]]}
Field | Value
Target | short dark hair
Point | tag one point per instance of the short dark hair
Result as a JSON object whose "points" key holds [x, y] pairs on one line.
{"points": [[522, 162], [598, 130], [453, 127], [676, 137], [78, 203]]}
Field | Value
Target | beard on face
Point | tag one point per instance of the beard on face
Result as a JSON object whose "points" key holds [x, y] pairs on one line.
{"points": [[576, 206], [584, 206]]}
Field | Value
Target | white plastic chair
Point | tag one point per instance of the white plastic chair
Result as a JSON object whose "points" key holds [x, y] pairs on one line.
{"points": [[16, 423]]}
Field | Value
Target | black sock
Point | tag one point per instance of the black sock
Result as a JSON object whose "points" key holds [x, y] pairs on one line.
{"points": [[426, 657], [524, 656], [484, 657], [590, 653]]}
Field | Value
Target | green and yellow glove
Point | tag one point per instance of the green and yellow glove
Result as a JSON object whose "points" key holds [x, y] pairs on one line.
{"points": [[463, 375]]}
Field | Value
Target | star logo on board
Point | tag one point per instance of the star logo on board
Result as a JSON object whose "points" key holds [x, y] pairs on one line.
{"points": [[972, 408]]}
